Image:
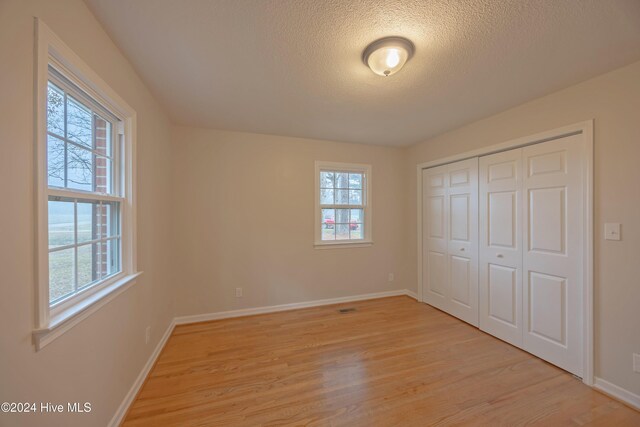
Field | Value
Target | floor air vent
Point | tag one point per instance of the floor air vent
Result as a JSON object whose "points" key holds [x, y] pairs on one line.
{"points": [[346, 310]]}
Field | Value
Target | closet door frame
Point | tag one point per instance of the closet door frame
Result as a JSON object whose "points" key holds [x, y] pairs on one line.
{"points": [[586, 130]]}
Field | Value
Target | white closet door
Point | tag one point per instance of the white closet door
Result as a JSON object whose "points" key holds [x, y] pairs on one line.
{"points": [[463, 240], [553, 241], [501, 245], [531, 219], [434, 241], [450, 238]]}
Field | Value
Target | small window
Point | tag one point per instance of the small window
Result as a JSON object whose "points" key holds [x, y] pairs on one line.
{"points": [[343, 204]]}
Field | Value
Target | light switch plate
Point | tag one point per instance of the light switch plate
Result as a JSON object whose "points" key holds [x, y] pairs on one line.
{"points": [[612, 231], [636, 362]]}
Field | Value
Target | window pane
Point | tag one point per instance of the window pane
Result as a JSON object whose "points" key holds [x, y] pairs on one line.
{"points": [[55, 110], [342, 231], [355, 180], [103, 169], [79, 122], [327, 179], [88, 256], [110, 215], [328, 218], [342, 216], [61, 223], [79, 168], [328, 233], [102, 132], [357, 215], [87, 221], [342, 180], [61, 273], [355, 230], [110, 257], [55, 161], [355, 197], [342, 197], [326, 197]]}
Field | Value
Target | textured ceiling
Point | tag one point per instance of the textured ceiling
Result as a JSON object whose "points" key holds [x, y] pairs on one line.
{"points": [[293, 67]]}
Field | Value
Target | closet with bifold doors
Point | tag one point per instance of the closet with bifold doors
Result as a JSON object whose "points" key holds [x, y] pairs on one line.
{"points": [[503, 242]]}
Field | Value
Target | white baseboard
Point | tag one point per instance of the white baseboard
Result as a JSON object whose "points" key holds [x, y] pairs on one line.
{"points": [[137, 384], [182, 320], [617, 392], [285, 307], [411, 294]]}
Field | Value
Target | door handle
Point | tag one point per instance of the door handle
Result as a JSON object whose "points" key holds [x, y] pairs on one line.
{"points": [[500, 255], [462, 249]]}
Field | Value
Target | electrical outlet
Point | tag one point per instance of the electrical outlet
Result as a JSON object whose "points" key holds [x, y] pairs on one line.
{"points": [[238, 292], [636, 362], [147, 335], [392, 277], [612, 231]]}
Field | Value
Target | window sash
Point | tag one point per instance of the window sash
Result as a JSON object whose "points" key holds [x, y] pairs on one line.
{"points": [[114, 237], [95, 108]]}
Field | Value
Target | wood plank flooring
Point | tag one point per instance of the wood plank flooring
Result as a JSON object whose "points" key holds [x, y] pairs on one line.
{"points": [[392, 362]]}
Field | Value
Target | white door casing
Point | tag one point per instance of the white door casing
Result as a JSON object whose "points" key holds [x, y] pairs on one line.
{"points": [[450, 242]]}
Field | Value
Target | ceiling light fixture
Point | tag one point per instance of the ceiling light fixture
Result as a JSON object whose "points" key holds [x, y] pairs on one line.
{"points": [[387, 56]]}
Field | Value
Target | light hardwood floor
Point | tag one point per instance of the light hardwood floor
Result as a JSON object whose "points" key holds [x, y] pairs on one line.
{"points": [[391, 362]]}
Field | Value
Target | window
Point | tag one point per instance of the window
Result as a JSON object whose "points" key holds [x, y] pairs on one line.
{"points": [[343, 204], [83, 195], [85, 227]]}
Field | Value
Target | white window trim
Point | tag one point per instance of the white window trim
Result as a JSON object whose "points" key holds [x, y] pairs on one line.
{"points": [[368, 207], [51, 323]]}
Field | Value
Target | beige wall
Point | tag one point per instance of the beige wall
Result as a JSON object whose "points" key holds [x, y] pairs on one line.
{"points": [[613, 100], [97, 360], [244, 213]]}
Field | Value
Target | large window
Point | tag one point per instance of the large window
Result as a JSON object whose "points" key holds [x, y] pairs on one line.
{"points": [[83, 192], [343, 200], [85, 145]]}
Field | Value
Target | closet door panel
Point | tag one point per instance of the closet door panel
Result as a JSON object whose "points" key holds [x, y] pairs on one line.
{"points": [[553, 241], [450, 239], [435, 270], [500, 279], [502, 294], [463, 240]]}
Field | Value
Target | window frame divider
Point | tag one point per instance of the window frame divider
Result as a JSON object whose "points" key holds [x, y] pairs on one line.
{"points": [[65, 193]]}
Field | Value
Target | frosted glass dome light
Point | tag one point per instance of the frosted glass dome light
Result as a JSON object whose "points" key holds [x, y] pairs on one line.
{"points": [[387, 56]]}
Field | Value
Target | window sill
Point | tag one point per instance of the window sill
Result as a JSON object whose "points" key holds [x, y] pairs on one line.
{"points": [[67, 319], [340, 245]]}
